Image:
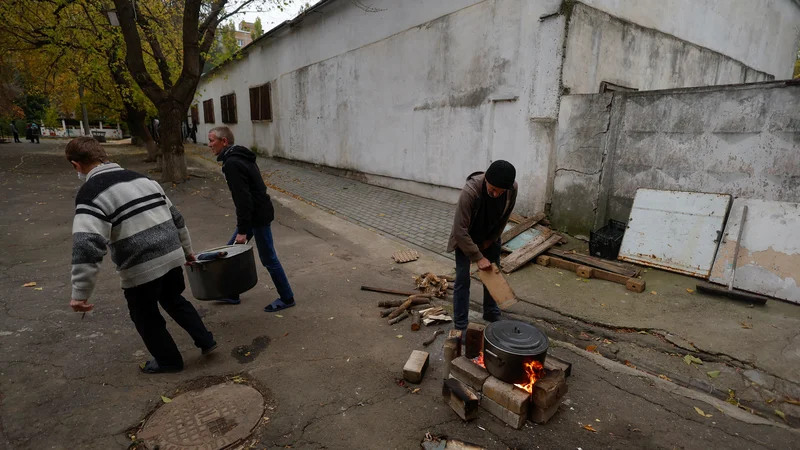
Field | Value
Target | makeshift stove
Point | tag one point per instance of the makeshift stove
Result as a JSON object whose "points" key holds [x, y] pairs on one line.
{"points": [[505, 370]]}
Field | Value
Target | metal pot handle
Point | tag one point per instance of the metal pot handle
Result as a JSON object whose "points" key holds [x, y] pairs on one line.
{"points": [[499, 360]]}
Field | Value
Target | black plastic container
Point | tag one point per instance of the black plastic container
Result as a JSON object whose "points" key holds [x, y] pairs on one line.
{"points": [[606, 241]]}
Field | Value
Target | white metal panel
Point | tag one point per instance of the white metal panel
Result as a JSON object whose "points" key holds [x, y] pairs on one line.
{"points": [[769, 254], [675, 230]]}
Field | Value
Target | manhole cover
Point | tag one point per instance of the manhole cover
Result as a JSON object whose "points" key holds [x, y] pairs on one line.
{"points": [[207, 419]]}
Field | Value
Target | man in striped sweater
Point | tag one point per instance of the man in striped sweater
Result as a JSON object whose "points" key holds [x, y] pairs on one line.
{"points": [[130, 214]]}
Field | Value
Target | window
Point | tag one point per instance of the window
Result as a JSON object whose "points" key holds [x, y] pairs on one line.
{"points": [[195, 115], [228, 105], [240, 42], [208, 111], [261, 102]]}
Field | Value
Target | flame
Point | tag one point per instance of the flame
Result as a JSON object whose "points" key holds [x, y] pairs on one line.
{"points": [[534, 370], [479, 360]]}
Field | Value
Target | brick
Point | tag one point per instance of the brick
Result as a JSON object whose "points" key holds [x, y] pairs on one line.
{"points": [[541, 415], [460, 398], [514, 420], [474, 340], [549, 389], [469, 373], [635, 285], [506, 395], [554, 363], [451, 350], [416, 366]]}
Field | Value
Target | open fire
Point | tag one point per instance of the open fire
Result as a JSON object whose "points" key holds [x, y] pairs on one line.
{"points": [[533, 369]]}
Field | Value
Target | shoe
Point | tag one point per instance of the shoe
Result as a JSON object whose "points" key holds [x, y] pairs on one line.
{"points": [[491, 317], [152, 367], [278, 305], [207, 350], [230, 301]]}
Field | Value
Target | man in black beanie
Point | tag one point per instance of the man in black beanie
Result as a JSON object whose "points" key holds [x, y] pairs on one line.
{"points": [[483, 210]]}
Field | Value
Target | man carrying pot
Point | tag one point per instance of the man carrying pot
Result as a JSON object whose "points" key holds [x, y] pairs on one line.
{"points": [[483, 209], [254, 211], [130, 214]]}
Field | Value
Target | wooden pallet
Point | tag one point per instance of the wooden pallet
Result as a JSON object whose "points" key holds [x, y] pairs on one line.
{"points": [[404, 256], [631, 284]]}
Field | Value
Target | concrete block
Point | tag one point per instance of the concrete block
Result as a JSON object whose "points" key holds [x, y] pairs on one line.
{"points": [[516, 421], [635, 285], [548, 390], [460, 398], [416, 366], [508, 396], [474, 340], [541, 415], [469, 373]]}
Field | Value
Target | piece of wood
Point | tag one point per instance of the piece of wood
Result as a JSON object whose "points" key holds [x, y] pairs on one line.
{"points": [[516, 218], [449, 278], [593, 261], [496, 283], [455, 444], [415, 367], [543, 260], [404, 256], [546, 229], [399, 318], [387, 311], [416, 320], [388, 291], [529, 251], [436, 318], [635, 285], [419, 299], [584, 271], [596, 273], [460, 398], [402, 307], [520, 228], [735, 294], [432, 338]]}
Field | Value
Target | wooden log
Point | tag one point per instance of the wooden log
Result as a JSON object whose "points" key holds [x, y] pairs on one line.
{"points": [[520, 228], [400, 309], [399, 318], [635, 285], [584, 271], [529, 251], [593, 261], [387, 311], [416, 320], [387, 291], [432, 338], [419, 299]]}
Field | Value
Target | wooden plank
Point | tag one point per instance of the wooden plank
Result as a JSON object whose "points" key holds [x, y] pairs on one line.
{"points": [[516, 218], [636, 286], [496, 283], [520, 228], [531, 250], [593, 261]]}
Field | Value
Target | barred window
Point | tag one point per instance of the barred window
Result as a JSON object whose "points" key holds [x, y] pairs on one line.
{"points": [[261, 102]]}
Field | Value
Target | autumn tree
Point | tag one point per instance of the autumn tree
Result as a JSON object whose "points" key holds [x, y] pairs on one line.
{"points": [[258, 29]]}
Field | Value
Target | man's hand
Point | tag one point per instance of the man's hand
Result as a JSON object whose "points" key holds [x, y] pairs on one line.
{"points": [[241, 239], [484, 264], [190, 258], [81, 305]]}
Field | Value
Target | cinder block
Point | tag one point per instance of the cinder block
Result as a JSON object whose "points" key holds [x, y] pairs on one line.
{"points": [[507, 396], [543, 260], [514, 420], [541, 415], [460, 398], [635, 285], [549, 389], [469, 373], [474, 340], [585, 272], [416, 366]]}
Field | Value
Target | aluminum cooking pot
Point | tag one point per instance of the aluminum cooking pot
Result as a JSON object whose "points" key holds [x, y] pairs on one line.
{"points": [[508, 345], [225, 277]]}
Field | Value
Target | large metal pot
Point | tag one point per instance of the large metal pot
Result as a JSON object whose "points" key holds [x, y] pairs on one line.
{"points": [[508, 345], [225, 277]]}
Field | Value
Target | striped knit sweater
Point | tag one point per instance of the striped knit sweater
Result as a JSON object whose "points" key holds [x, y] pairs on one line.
{"points": [[130, 214]]}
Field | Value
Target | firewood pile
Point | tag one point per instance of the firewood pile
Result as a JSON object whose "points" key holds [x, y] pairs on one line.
{"points": [[429, 283]]}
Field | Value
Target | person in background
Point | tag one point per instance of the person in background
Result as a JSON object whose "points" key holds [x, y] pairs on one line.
{"points": [[130, 214], [254, 211], [35, 133], [15, 132], [483, 209]]}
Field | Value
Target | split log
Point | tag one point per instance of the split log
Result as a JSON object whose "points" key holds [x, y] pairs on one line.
{"points": [[419, 299], [387, 291], [416, 320], [399, 318], [432, 338], [409, 301], [387, 311]]}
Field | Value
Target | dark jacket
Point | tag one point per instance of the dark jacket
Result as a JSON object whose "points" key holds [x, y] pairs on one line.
{"points": [[468, 206], [253, 206]]}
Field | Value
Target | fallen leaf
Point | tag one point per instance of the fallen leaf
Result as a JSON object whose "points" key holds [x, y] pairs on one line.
{"points": [[713, 373], [399, 336], [166, 399], [689, 359], [700, 411], [664, 377], [643, 332], [237, 379], [590, 428], [31, 284], [689, 290], [746, 326], [591, 348], [278, 315], [558, 285], [654, 292], [792, 401], [603, 305], [770, 401], [247, 354], [415, 391], [628, 363], [606, 341], [286, 334], [597, 420], [37, 289], [780, 414], [381, 215]]}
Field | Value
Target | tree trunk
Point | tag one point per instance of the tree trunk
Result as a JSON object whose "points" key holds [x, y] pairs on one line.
{"points": [[140, 135], [83, 110], [170, 115]]}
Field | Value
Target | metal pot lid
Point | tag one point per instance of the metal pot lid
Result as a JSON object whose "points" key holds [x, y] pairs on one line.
{"points": [[233, 250], [516, 337]]}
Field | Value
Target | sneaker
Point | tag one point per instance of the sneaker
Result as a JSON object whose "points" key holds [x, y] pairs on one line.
{"points": [[207, 350]]}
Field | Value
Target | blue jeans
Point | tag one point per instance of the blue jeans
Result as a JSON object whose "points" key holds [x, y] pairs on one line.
{"points": [[266, 252], [461, 288]]}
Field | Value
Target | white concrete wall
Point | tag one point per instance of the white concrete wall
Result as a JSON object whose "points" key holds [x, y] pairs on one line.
{"points": [[762, 34], [601, 47]]}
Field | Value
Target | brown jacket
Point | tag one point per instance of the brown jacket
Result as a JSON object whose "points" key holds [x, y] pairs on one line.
{"points": [[468, 203]]}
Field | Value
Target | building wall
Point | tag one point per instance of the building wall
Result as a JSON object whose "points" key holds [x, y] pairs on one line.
{"points": [[601, 47], [741, 140]]}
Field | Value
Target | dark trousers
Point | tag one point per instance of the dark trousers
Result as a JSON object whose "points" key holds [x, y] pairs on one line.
{"points": [[461, 288], [143, 301], [269, 258], [16, 137]]}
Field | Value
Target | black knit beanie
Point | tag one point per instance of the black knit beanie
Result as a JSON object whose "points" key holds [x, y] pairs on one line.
{"points": [[501, 174]]}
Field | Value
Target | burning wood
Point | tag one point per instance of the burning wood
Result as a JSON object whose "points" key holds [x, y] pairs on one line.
{"points": [[431, 284], [535, 371]]}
